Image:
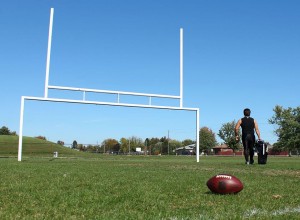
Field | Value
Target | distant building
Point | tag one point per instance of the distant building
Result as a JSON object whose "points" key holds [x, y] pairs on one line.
{"points": [[223, 149], [186, 150]]}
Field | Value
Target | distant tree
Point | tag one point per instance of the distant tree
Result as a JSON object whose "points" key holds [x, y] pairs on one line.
{"points": [[163, 139], [116, 148], [92, 148], [226, 133], [151, 142], [108, 145], [81, 147], [74, 144], [164, 145], [187, 142], [207, 139], [124, 145], [157, 148], [173, 144], [288, 130], [4, 131], [135, 142], [146, 146]]}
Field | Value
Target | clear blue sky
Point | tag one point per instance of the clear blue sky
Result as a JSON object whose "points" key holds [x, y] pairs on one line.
{"points": [[237, 54]]}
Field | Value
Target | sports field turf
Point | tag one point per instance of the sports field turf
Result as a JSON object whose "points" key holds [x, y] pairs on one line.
{"points": [[146, 187]]}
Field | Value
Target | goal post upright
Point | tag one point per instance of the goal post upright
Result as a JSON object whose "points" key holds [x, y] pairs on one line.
{"points": [[49, 52], [197, 134], [21, 129], [181, 67]]}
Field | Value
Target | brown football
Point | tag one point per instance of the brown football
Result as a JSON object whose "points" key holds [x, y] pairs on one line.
{"points": [[224, 184]]}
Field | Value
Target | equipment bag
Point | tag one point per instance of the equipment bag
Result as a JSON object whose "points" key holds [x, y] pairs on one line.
{"points": [[262, 151]]}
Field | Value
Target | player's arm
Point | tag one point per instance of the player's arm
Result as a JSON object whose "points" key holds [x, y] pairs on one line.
{"points": [[256, 129], [237, 128]]}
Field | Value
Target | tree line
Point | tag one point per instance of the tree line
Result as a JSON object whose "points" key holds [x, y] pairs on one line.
{"points": [[286, 120], [133, 145]]}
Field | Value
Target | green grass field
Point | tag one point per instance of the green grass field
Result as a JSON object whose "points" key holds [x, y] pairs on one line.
{"points": [[145, 187]]}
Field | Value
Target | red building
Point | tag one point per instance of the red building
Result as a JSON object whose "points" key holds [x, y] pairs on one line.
{"points": [[224, 150]]}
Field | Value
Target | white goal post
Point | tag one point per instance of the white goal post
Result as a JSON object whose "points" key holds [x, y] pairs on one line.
{"points": [[118, 93]]}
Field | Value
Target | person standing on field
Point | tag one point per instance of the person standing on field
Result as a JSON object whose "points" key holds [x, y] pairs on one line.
{"points": [[248, 125]]}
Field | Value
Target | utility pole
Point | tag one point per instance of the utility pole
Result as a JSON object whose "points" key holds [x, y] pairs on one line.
{"points": [[168, 144], [145, 150]]}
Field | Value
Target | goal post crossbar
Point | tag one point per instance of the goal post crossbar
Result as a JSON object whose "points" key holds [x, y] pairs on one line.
{"points": [[23, 98], [107, 103], [113, 92]]}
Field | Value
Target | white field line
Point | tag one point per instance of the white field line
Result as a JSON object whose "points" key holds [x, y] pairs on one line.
{"points": [[248, 214], [259, 212]]}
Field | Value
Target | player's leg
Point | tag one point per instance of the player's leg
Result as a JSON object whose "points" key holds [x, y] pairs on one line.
{"points": [[246, 150], [251, 150], [251, 153]]}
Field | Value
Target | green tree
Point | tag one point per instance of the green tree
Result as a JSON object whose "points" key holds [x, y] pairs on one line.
{"points": [[153, 141], [81, 147], [157, 148], [5, 131], [116, 148], [164, 145], [92, 148], [288, 128], [226, 133], [187, 142], [74, 144], [146, 146], [207, 139], [124, 145], [135, 142], [151, 145], [109, 145], [173, 144]]}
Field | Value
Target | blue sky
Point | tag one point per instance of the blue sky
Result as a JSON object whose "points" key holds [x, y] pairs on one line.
{"points": [[237, 54]]}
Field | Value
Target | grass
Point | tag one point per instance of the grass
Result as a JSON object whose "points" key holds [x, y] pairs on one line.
{"points": [[146, 187]]}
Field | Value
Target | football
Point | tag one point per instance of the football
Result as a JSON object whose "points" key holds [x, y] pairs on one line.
{"points": [[224, 184]]}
